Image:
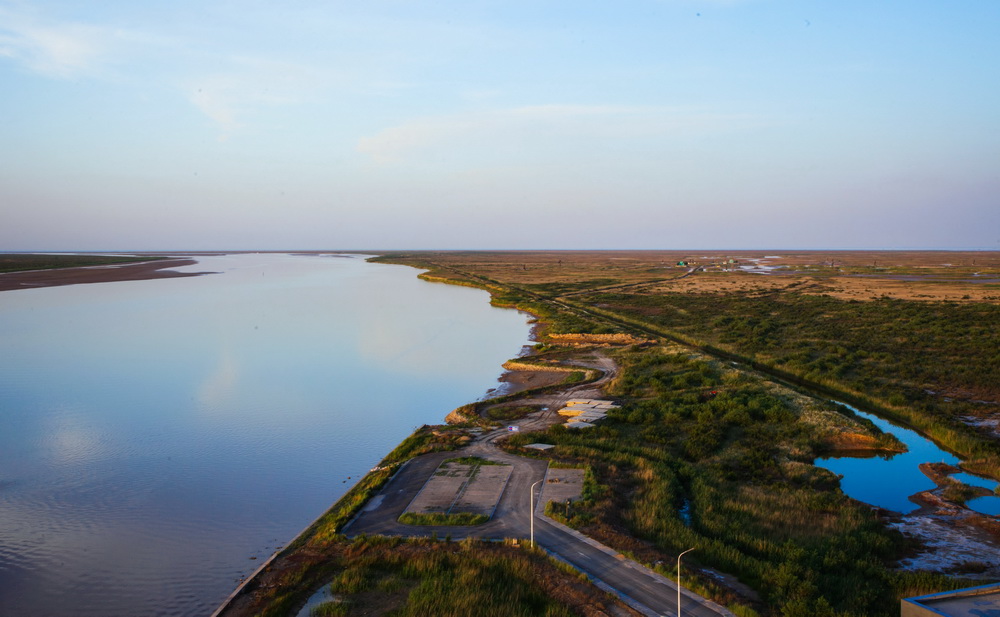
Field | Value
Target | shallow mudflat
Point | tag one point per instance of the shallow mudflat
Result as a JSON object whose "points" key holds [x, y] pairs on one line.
{"points": [[96, 274]]}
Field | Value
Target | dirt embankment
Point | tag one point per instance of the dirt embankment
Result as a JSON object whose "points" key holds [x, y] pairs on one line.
{"points": [[851, 442], [596, 339]]}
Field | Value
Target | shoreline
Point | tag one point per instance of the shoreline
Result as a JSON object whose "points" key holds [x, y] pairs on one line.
{"points": [[139, 271], [509, 382]]}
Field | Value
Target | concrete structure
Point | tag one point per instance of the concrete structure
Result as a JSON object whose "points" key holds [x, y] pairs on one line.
{"points": [[593, 402], [591, 416], [579, 407], [981, 601], [561, 485], [579, 424]]}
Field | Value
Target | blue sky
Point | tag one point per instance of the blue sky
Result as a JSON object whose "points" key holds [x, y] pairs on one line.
{"points": [[543, 124]]}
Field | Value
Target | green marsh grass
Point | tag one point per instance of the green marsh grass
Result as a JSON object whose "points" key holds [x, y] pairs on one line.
{"points": [[458, 519], [741, 460]]}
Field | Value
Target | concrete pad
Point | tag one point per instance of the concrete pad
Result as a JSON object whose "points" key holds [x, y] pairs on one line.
{"points": [[484, 490], [461, 487], [562, 484], [439, 492], [592, 403]]}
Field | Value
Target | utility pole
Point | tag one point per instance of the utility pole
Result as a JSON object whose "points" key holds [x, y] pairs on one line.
{"points": [[679, 580], [531, 501]]}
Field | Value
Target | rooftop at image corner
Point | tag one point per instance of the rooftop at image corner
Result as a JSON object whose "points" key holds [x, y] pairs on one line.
{"points": [[982, 601]]}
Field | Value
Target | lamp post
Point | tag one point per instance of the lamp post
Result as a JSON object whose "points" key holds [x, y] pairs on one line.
{"points": [[531, 500], [679, 580]]}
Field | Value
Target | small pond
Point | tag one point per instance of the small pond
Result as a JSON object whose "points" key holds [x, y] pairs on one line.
{"points": [[319, 598], [888, 481]]}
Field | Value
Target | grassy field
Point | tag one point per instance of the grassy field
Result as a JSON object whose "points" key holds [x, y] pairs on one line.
{"points": [[926, 358], [731, 474], [463, 519], [433, 579], [375, 576], [702, 454]]}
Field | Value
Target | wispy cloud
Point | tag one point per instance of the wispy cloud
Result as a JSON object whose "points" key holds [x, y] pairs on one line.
{"points": [[248, 83], [237, 85], [539, 124], [49, 48]]}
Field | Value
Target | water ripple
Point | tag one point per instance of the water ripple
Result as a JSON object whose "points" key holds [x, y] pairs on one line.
{"points": [[159, 434]]}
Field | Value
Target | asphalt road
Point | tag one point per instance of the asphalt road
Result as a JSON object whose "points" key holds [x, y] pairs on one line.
{"points": [[641, 588]]}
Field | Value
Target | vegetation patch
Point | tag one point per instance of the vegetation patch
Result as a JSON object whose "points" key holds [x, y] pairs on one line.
{"points": [[331, 609], [702, 455], [427, 578], [475, 461], [863, 350], [458, 519], [502, 413]]}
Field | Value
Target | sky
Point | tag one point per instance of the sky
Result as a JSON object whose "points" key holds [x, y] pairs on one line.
{"points": [[640, 124]]}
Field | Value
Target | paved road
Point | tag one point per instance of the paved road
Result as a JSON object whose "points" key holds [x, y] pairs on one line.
{"points": [[640, 587]]}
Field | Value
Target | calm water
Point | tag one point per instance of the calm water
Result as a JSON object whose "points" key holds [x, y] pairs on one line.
{"points": [[989, 504], [157, 435], [888, 482]]}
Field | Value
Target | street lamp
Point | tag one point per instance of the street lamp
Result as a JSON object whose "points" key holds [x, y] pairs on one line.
{"points": [[679, 580], [531, 501]]}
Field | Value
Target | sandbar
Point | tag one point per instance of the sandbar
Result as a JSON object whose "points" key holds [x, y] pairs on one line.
{"points": [[96, 274]]}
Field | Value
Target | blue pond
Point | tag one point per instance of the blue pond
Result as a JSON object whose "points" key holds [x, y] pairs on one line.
{"points": [[889, 481]]}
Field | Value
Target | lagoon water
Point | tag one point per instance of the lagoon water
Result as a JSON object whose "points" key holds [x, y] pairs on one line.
{"points": [[159, 435], [889, 481]]}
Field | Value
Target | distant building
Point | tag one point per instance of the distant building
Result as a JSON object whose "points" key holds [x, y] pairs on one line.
{"points": [[981, 601]]}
